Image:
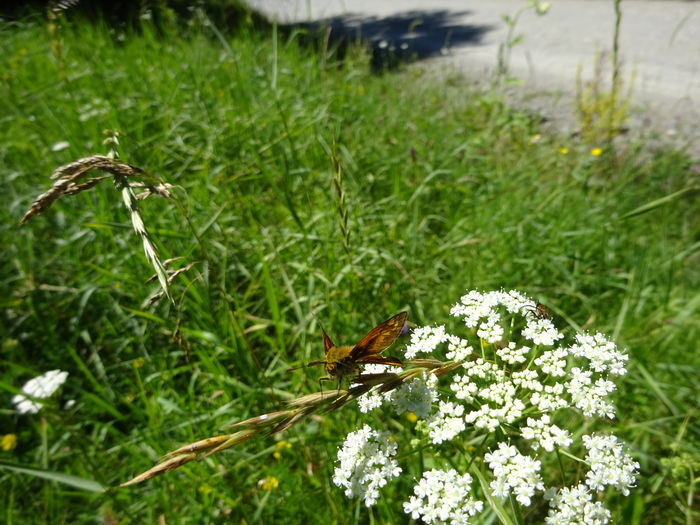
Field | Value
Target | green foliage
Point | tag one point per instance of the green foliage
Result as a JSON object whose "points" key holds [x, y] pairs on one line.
{"points": [[442, 190], [601, 112]]}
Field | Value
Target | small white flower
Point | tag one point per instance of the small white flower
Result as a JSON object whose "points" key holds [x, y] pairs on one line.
{"points": [[601, 352], [39, 387], [514, 471], [491, 417], [475, 306], [512, 355], [508, 408], [545, 435], [417, 395], [464, 388], [541, 332], [609, 464], [484, 370], [491, 330], [527, 379], [443, 497], [590, 397], [551, 398], [372, 399], [366, 464], [573, 506], [553, 362], [458, 349], [425, 339], [515, 302], [446, 423], [60, 146]]}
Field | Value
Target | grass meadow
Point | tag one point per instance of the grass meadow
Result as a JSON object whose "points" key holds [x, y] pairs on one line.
{"points": [[310, 191]]}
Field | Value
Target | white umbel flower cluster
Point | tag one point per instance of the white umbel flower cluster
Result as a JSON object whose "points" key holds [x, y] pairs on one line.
{"points": [[366, 463], [40, 387], [424, 340], [601, 352], [574, 506], [514, 472], [590, 396], [416, 395], [443, 497], [544, 434], [609, 464], [507, 384], [446, 423]]}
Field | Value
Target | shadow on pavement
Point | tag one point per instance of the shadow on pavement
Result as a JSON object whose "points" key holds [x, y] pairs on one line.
{"points": [[400, 38]]}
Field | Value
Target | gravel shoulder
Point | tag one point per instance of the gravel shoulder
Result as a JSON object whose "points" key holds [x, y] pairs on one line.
{"points": [[660, 49]]}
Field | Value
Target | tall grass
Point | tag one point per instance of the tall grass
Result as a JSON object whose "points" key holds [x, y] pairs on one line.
{"points": [[442, 189]]}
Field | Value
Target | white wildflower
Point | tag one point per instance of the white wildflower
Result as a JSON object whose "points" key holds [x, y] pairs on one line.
{"points": [[573, 506], [446, 423], [484, 370], [366, 464], [588, 396], [373, 399], [458, 349], [541, 332], [553, 362], [475, 306], [464, 388], [514, 301], [491, 330], [39, 387], [370, 401], [544, 434], [601, 352], [443, 497], [512, 355], [527, 379], [508, 408], [609, 464], [417, 395], [514, 471], [425, 339], [551, 398]]}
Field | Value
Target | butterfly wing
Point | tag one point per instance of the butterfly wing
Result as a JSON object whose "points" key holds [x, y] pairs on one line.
{"points": [[379, 338], [380, 360], [327, 343]]}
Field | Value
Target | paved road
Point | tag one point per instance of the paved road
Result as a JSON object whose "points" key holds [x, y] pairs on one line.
{"points": [[660, 43]]}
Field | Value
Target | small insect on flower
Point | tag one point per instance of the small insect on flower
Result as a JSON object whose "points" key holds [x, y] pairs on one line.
{"points": [[540, 311], [342, 361]]}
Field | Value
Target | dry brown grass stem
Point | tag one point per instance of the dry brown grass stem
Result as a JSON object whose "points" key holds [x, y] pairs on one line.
{"points": [[297, 410], [67, 179]]}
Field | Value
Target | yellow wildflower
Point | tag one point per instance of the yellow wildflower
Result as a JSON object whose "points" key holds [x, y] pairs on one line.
{"points": [[596, 152], [269, 483], [9, 441], [563, 151], [412, 418], [279, 447]]}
